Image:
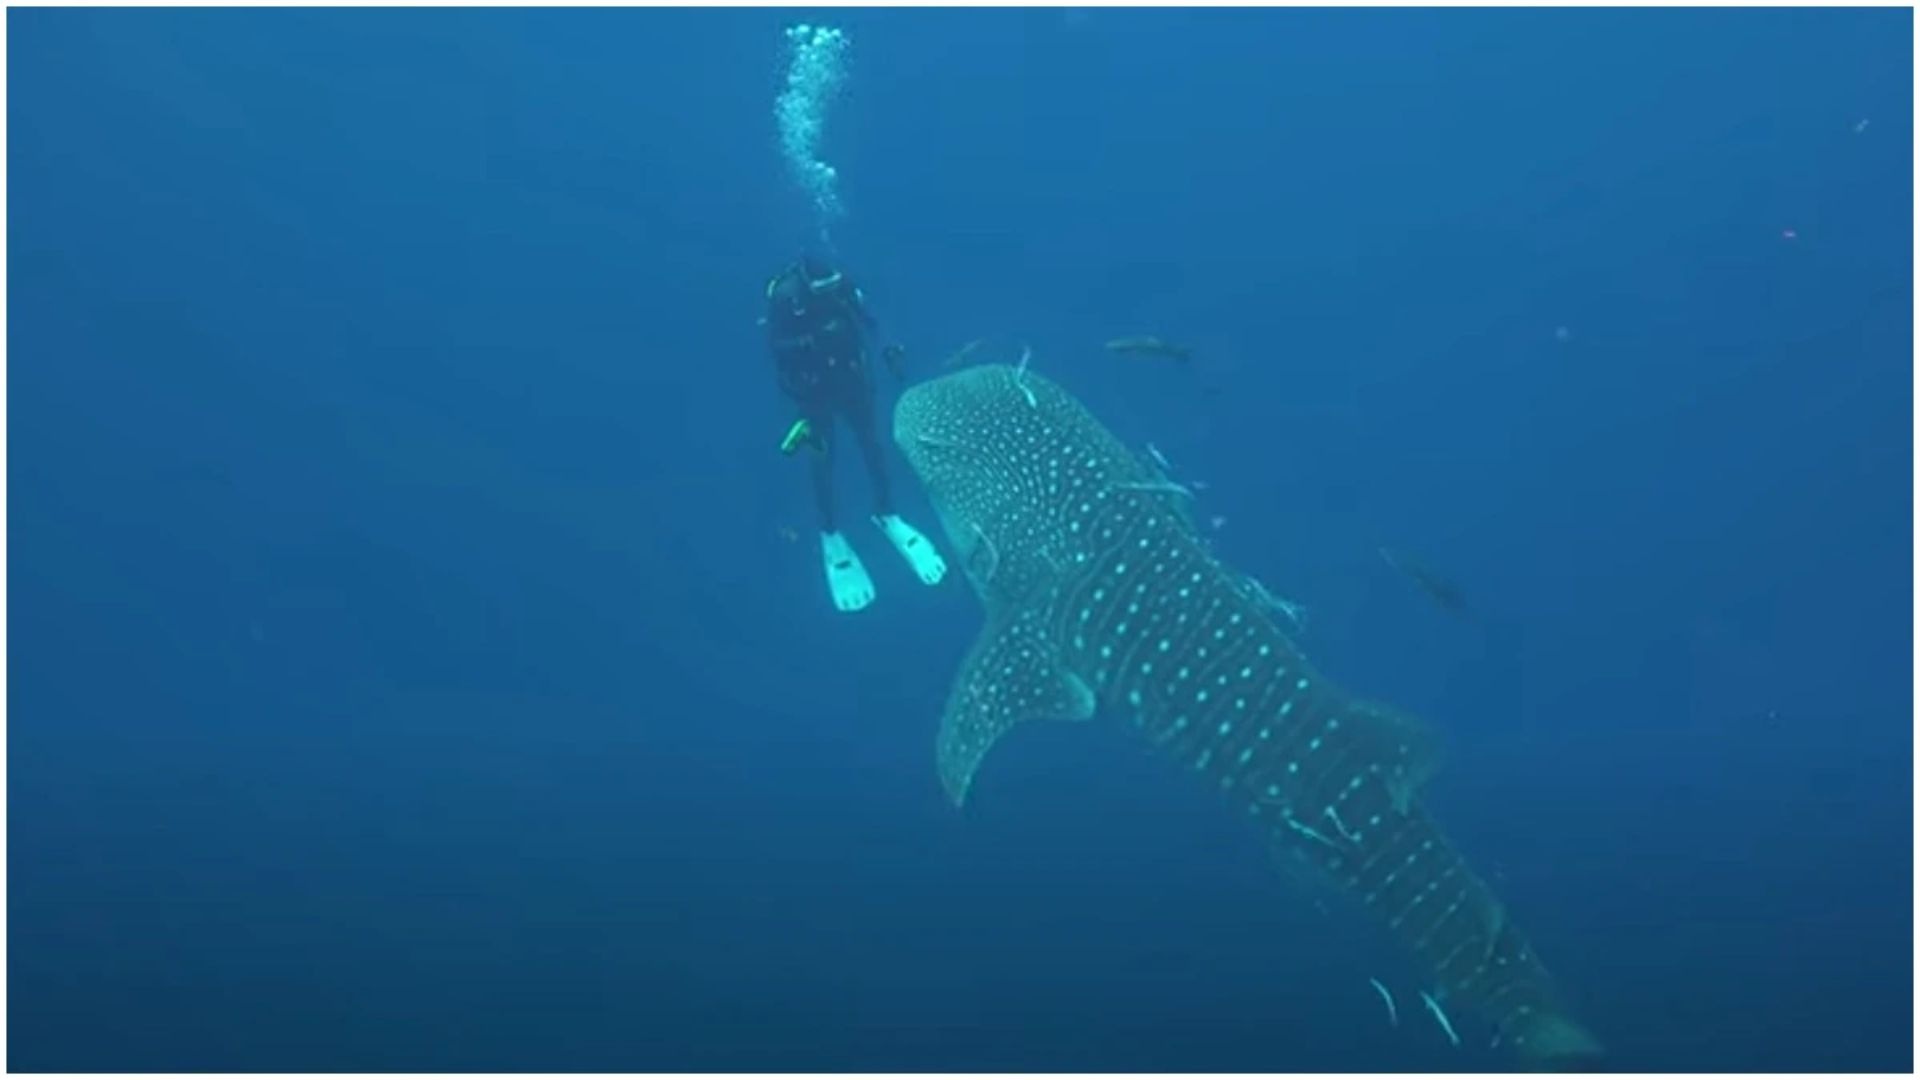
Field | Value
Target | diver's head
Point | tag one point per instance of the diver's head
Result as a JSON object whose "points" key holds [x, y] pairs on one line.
{"points": [[788, 290], [792, 291]]}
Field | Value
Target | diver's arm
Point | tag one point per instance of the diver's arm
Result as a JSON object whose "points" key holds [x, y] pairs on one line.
{"points": [[893, 354], [857, 301]]}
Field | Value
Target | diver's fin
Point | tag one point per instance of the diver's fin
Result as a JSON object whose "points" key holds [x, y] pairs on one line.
{"points": [[914, 547], [847, 579], [1009, 675]]}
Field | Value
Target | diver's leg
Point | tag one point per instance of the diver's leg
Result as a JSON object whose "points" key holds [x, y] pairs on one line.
{"points": [[912, 545], [859, 413], [821, 421], [847, 580]]}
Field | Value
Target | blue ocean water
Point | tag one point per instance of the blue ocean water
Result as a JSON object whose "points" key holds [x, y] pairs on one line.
{"points": [[414, 666]]}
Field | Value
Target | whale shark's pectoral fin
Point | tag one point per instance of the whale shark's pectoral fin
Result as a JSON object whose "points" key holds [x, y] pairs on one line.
{"points": [[1010, 675]]}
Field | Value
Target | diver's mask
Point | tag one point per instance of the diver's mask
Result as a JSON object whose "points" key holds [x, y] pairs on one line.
{"points": [[817, 273]]}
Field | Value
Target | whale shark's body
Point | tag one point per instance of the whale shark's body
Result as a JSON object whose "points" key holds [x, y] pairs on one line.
{"points": [[1099, 596]]}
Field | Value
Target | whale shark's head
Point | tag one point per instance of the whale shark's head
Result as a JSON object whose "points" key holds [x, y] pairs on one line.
{"points": [[1010, 462], [954, 431]]}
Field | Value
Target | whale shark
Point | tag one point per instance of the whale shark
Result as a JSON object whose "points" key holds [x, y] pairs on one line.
{"points": [[1102, 600]]}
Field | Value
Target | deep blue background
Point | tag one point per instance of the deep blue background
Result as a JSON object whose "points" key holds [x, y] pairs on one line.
{"points": [[408, 670]]}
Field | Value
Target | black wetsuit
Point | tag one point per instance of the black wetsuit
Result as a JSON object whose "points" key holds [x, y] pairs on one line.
{"points": [[817, 325]]}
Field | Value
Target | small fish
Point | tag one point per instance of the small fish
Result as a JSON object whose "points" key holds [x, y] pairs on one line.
{"points": [[1295, 613], [787, 533], [964, 353], [1159, 459], [1148, 345], [1165, 487], [1020, 375], [1860, 128], [1393, 1011], [1440, 1017], [1444, 593]]}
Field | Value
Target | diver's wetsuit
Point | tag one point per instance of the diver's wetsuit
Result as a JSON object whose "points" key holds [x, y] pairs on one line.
{"points": [[816, 326]]}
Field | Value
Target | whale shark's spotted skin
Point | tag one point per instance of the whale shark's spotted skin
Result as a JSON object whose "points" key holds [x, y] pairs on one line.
{"points": [[1099, 596]]}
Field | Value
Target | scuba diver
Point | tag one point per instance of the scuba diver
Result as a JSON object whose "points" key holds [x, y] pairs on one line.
{"points": [[817, 326]]}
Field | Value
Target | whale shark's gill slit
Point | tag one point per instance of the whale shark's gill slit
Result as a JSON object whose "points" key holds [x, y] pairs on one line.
{"points": [[1098, 587]]}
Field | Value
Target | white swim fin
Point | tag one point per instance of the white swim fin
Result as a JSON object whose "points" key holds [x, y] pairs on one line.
{"points": [[913, 547], [847, 578]]}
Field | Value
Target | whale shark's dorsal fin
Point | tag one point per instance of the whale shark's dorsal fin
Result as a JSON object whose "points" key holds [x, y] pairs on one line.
{"points": [[1010, 675]]}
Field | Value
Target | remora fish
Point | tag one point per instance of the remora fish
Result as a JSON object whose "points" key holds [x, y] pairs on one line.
{"points": [[963, 354], [1148, 345], [1445, 594], [1100, 596]]}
